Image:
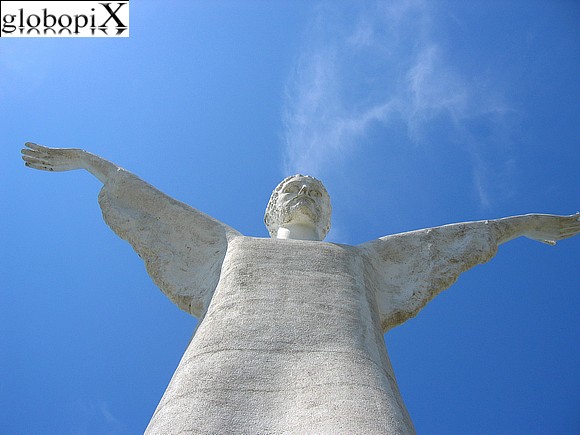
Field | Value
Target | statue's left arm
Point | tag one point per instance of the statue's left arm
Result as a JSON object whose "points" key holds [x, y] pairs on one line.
{"points": [[183, 248], [408, 270]]}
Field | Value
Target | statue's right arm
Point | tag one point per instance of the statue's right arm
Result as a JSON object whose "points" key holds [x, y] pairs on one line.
{"points": [[183, 248], [67, 159]]}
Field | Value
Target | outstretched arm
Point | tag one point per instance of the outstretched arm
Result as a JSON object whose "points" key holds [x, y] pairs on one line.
{"points": [[183, 248], [67, 159], [408, 270], [545, 228]]}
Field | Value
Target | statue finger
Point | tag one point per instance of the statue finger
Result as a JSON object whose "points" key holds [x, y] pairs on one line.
{"points": [[570, 232], [40, 166], [38, 163], [575, 226], [37, 152], [34, 146], [31, 159], [29, 152], [34, 158]]}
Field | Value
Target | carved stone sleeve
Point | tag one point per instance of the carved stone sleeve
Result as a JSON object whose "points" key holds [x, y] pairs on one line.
{"points": [[408, 270], [183, 249]]}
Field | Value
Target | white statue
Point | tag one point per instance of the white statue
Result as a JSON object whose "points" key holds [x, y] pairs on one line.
{"points": [[290, 333]]}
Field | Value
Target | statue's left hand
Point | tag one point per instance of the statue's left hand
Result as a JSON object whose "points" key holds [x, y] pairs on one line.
{"points": [[551, 228]]}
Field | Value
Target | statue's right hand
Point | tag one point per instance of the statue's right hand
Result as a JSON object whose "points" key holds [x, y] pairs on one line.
{"points": [[52, 159]]}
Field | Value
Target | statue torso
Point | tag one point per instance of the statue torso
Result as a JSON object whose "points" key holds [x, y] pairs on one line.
{"points": [[289, 325]]}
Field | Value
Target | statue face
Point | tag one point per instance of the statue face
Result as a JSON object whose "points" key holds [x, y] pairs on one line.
{"points": [[299, 200]]}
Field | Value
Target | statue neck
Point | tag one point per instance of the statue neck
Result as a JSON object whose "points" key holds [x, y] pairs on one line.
{"points": [[297, 232]]}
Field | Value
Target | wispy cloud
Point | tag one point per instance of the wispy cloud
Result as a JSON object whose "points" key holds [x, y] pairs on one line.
{"points": [[111, 420], [90, 415], [373, 65]]}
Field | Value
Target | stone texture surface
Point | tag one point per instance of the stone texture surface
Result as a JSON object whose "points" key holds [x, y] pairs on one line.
{"points": [[291, 342], [290, 338], [183, 248]]}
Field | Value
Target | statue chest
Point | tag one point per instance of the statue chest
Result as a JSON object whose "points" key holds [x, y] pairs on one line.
{"points": [[291, 342], [287, 294]]}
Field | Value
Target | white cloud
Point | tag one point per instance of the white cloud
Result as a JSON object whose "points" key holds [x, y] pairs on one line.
{"points": [[385, 67]]}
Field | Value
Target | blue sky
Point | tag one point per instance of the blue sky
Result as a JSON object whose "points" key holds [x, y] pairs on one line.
{"points": [[413, 113]]}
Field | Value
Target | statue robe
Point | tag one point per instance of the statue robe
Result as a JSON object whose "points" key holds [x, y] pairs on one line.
{"points": [[290, 333]]}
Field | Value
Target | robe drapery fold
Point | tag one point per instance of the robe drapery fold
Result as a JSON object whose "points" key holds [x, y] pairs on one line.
{"points": [[183, 248], [410, 269]]}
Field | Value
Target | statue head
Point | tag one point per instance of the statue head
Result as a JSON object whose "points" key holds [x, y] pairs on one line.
{"points": [[299, 200]]}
